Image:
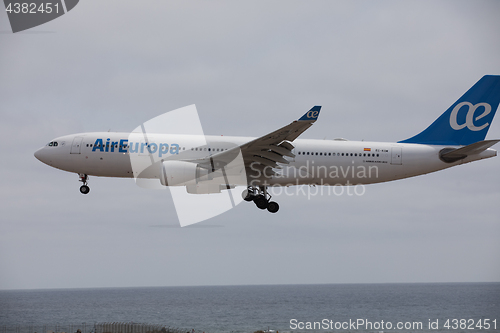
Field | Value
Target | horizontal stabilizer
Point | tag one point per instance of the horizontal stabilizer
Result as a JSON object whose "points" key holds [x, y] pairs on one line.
{"points": [[451, 155]]}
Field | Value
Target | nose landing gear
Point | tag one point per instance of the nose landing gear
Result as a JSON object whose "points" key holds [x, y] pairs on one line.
{"points": [[261, 198], [84, 189]]}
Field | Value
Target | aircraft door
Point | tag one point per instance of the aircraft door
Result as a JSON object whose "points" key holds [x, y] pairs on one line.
{"points": [[76, 146], [396, 156]]}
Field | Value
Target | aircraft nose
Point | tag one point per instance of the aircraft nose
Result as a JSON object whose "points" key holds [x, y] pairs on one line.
{"points": [[39, 154]]}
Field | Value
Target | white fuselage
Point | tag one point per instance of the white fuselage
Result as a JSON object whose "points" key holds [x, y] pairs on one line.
{"points": [[322, 162]]}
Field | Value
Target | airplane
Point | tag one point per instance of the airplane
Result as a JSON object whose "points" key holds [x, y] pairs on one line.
{"points": [[280, 158]]}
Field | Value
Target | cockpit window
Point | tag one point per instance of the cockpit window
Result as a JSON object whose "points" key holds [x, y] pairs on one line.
{"points": [[52, 144], [55, 143]]}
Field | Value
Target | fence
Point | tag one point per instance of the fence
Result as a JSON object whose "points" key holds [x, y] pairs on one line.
{"points": [[94, 328]]}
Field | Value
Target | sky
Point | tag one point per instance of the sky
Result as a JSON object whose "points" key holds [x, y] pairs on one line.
{"points": [[382, 70]]}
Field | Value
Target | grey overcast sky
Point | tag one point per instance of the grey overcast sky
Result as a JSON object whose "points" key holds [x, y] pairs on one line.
{"points": [[382, 70]]}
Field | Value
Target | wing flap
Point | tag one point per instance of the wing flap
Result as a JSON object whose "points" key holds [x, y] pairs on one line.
{"points": [[271, 156], [264, 161], [282, 150]]}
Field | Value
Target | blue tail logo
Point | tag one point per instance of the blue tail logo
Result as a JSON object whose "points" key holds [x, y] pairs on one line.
{"points": [[468, 120], [312, 114]]}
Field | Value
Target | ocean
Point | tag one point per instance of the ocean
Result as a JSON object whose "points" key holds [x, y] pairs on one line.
{"points": [[438, 307]]}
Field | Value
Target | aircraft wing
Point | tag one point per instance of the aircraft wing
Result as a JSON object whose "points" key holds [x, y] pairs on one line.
{"points": [[268, 150]]}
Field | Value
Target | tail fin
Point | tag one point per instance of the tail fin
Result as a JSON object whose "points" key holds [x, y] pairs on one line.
{"points": [[468, 120]]}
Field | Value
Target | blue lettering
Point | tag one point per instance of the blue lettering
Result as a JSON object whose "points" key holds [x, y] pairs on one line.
{"points": [[163, 149], [151, 146], [174, 148], [98, 145], [123, 143], [132, 149], [125, 146], [143, 144]]}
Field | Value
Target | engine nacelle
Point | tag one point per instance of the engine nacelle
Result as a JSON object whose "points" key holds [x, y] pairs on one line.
{"points": [[181, 173]]}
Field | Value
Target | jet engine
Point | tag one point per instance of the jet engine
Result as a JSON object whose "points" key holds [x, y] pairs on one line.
{"points": [[182, 173]]}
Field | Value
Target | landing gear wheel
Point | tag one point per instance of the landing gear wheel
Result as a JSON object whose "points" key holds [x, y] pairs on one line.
{"points": [[84, 189], [273, 207], [260, 202], [261, 198], [248, 195]]}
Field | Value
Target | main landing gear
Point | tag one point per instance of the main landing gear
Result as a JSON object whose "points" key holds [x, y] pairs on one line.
{"points": [[261, 198], [84, 189]]}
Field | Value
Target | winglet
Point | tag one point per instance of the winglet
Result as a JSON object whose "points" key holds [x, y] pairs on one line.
{"points": [[312, 114]]}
